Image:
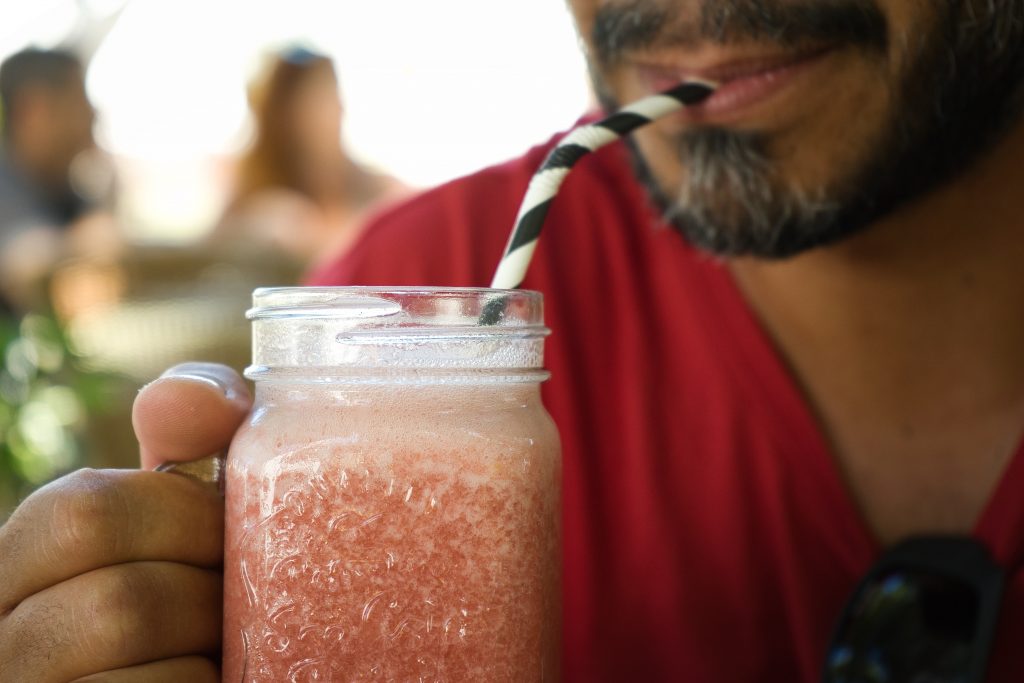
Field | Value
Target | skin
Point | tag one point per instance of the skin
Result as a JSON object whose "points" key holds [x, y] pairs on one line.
{"points": [[48, 128], [905, 339], [53, 125], [115, 575], [316, 113]]}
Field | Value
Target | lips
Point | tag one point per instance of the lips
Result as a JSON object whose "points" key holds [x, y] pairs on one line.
{"points": [[743, 82]]}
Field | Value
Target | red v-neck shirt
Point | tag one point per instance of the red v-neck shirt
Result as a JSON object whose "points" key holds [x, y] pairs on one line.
{"points": [[708, 534]]}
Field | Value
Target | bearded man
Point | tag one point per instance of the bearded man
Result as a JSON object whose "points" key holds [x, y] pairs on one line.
{"points": [[792, 346]]}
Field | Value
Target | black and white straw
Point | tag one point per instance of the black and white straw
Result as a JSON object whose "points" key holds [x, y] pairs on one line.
{"points": [[578, 143]]}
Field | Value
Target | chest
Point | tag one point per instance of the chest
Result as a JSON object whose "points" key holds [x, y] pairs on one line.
{"points": [[942, 480], [705, 512]]}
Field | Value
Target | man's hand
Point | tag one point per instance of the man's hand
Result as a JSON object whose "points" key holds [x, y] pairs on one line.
{"points": [[115, 575]]}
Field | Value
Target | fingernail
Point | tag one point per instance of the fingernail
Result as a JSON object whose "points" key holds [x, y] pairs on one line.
{"points": [[199, 372]]}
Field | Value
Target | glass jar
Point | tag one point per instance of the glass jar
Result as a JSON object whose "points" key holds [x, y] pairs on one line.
{"points": [[393, 500]]}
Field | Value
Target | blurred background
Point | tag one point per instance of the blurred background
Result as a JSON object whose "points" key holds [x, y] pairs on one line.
{"points": [[160, 160]]}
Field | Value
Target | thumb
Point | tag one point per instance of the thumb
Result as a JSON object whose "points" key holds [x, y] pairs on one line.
{"points": [[191, 411]]}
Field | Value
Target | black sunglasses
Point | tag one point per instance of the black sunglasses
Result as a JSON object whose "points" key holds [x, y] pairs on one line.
{"points": [[925, 613]]}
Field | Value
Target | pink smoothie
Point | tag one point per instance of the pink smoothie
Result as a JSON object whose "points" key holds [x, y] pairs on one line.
{"points": [[388, 534]]}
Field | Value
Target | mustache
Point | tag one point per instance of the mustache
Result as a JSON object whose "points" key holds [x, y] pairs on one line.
{"points": [[623, 27]]}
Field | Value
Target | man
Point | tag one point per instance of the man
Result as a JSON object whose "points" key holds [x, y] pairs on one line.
{"points": [[47, 123], [743, 434]]}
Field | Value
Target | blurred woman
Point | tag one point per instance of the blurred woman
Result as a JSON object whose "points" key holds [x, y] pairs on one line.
{"points": [[297, 190]]}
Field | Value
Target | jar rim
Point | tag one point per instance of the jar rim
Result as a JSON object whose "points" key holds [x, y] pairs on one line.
{"points": [[368, 302], [397, 329]]}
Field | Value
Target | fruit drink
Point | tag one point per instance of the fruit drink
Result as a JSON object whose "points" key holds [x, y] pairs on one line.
{"points": [[402, 529]]}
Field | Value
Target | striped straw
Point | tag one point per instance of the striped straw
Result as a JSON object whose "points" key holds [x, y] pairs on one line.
{"points": [[549, 178]]}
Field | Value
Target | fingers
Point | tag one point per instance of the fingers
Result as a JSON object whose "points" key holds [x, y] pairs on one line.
{"points": [[191, 411], [112, 618], [191, 669], [97, 518]]}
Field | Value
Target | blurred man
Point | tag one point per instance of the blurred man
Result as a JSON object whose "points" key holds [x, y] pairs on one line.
{"points": [[47, 124], [810, 352]]}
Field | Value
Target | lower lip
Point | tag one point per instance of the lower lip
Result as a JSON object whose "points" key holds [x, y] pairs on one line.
{"points": [[736, 95]]}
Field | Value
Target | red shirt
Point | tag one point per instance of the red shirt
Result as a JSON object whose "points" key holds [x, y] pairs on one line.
{"points": [[708, 534]]}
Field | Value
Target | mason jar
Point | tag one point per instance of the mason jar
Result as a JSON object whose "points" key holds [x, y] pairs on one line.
{"points": [[393, 499]]}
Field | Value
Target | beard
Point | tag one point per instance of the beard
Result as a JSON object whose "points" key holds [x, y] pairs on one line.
{"points": [[961, 92]]}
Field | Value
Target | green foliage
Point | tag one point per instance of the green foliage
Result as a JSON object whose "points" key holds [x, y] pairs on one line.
{"points": [[46, 398]]}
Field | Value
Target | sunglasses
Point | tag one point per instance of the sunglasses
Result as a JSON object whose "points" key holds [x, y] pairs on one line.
{"points": [[925, 613]]}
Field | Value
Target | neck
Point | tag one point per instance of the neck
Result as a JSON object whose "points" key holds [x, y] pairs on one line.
{"points": [[323, 173], [36, 163], [942, 277], [911, 330]]}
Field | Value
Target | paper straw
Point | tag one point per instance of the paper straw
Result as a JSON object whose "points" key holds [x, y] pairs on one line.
{"points": [[549, 177]]}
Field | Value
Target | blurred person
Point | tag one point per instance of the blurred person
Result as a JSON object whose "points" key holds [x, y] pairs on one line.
{"points": [[47, 128], [297, 189], [803, 351]]}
